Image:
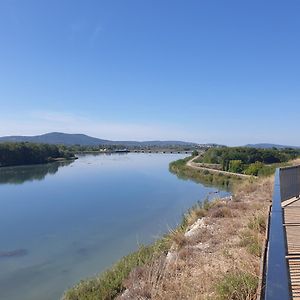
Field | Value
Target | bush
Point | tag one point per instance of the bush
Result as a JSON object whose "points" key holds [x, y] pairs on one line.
{"points": [[252, 242], [258, 223], [236, 166], [254, 169], [195, 153], [221, 212]]}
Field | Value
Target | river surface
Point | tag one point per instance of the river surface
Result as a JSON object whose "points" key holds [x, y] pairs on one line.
{"points": [[62, 222]]}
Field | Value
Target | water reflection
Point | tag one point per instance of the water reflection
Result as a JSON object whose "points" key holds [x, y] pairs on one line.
{"points": [[21, 174], [207, 180]]}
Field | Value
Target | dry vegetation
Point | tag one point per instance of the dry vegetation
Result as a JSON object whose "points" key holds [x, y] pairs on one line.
{"points": [[214, 255]]}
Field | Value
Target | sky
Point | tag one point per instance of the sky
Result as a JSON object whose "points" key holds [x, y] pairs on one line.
{"points": [[204, 71]]}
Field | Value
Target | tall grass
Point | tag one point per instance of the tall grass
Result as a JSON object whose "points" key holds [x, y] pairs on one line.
{"points": [[237, 285], [109, 284]]}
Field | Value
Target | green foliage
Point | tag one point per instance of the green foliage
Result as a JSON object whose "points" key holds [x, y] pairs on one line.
{"points": [[249, 155], [195, 153], [250, 240], [180, 168], [235, 166], [12, 154], [237, 285], [253, 169], [251, 161]]}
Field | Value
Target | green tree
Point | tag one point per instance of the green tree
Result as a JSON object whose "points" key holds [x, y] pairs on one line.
{"points": [[253, 169], [236, 166]]}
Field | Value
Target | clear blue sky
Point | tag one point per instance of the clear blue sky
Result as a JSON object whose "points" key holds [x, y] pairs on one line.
{"points": [[204, 71]]}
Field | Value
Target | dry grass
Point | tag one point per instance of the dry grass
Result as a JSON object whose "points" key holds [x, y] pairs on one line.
{"points": [[221, 212], [295, 162], [195, 214], [178, 238], [220, 260]]}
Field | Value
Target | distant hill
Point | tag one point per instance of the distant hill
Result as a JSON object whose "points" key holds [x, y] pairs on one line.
{"points": [[60, 138], [268, 146]]}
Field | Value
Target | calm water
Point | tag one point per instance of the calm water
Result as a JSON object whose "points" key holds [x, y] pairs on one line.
{"points": [[60, 223]]}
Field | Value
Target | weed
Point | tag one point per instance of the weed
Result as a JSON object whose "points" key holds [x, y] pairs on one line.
{"points": [[178, 237], [258, 223], [237, 285], [252, 242], [221, 212]]}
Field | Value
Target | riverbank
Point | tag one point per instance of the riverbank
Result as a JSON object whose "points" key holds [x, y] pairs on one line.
{"points": [[205, 257], [204, 176], [216, 257]]}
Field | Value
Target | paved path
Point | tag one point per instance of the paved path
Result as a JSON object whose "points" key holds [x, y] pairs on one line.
{"points": [[291, 212], [194, 165]]}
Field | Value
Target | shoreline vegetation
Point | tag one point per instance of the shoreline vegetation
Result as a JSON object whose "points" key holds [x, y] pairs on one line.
{"points": [[18, 154], [246, 160], [28, 153], [182, 171], [214, 253]]}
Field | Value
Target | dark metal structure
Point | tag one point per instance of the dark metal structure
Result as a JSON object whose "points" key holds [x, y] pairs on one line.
{"points": [[289, 182], [276, 283]]}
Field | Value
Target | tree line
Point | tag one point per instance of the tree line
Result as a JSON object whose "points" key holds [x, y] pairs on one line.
{"points": [[24, 153], [250, 161]]}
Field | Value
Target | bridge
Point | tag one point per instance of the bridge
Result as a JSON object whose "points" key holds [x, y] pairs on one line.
{"points": [[164, 151], [280, 271]]}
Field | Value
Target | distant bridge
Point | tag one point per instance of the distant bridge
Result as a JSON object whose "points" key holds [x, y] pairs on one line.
{"points": [[280, 274], [161, 151]]}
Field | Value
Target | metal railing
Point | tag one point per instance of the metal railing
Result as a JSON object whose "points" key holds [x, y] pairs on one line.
{"points": [[277, 282], [289, 182]]}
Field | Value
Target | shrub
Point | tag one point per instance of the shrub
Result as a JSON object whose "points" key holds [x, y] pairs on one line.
{"points": [[195, 153], [252, 242], [237, 285], [253, 169], [221, 212], [178, 237], [258, 223], [235, 166]]}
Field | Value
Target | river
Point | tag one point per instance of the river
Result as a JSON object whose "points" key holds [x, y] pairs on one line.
{"points": [[62, 222]]}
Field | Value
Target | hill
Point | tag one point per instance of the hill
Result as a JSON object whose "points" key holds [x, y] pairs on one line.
{"points": [[268, 146], [60, 138]]}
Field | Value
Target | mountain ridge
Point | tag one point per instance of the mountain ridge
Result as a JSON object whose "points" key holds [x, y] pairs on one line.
{"points": [[269, 145], [69, 139]]}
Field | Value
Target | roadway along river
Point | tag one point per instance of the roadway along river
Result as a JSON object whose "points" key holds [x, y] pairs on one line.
{"points": [[60, 223]]}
